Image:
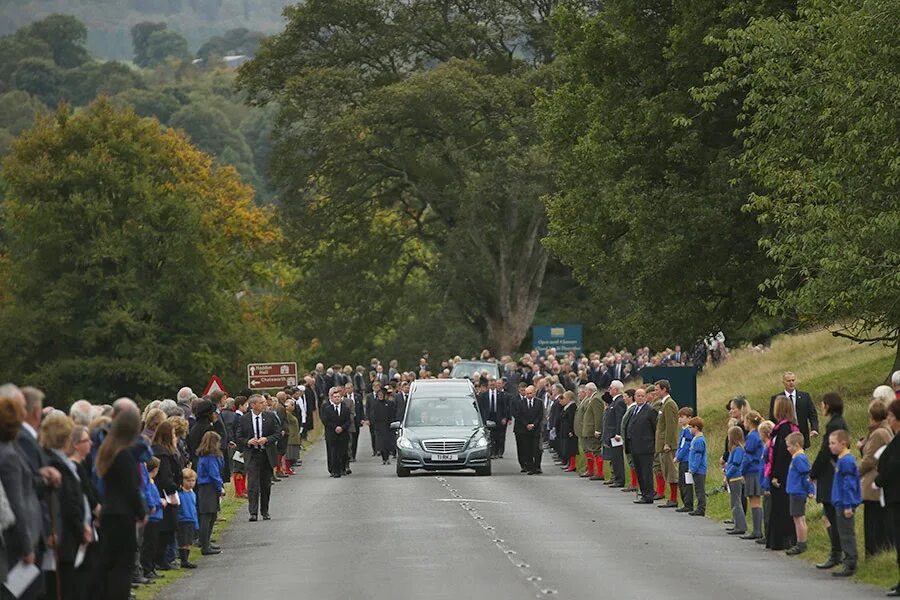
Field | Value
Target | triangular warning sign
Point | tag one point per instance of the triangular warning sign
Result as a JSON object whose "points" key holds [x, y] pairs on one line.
{"points": [[214, 384]]}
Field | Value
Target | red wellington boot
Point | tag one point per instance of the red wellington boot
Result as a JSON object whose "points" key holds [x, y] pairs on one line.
{"points": [[571, 464]]}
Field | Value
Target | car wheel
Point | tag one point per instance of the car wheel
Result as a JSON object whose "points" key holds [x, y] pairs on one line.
{"points": [[401, 471], [484, 471]]}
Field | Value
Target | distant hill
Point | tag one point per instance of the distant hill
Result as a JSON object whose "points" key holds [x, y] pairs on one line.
{"points": [[109, 22]]}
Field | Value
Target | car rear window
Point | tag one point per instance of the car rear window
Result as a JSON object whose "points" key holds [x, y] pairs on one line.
{"points": [[454, 411]]}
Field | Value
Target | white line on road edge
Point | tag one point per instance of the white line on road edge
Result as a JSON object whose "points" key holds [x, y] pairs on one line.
{"points": [[469, 500]]}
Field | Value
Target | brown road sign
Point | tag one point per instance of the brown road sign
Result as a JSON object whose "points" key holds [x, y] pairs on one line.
{"points": [[270, 376]]}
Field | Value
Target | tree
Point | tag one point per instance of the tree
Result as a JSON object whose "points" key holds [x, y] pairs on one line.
{"points": [[821, 138], [165, 45], [39, 77], [648, 199], [420, 170], [140, 40], [149, 103], [133, 264], [233, 41], [65, 35]]}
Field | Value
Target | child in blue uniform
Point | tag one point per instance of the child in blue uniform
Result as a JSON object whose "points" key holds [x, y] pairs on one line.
{"points": [[697, 461], [846, 496], [209, 487], [751, 469], [154, 520], [798, 488], [188, 524], [735, 480], [682, 454]]}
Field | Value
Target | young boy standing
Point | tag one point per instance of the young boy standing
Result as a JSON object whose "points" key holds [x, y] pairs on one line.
{"points": [[697, 462], [846, 496], [682, 454], [798, 488], [188, 524]]}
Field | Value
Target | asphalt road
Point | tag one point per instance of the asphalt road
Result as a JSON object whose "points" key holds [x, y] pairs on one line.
{"points": [[374, 536]]}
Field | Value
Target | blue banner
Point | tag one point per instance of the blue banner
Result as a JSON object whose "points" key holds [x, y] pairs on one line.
{"points": [[564, 338]]}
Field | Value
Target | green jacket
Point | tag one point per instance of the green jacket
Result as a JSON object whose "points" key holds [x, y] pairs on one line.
{"points": [[579, 416], [292, 425], [667, 429], [593, 416]]}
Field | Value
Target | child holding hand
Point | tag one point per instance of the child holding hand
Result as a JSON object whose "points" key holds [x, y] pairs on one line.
{"points": [[735, 480], [799, 488], [697, 464]]}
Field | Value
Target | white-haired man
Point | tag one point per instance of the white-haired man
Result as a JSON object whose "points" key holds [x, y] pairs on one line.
{"points": [[612, 433], [895, 383], [81, 412]]}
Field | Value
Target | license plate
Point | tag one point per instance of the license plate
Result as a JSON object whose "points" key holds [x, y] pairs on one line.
{"points": [[445, 457]]}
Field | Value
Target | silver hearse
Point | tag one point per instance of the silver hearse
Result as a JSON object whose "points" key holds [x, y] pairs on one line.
{"points": [[442, 429]]}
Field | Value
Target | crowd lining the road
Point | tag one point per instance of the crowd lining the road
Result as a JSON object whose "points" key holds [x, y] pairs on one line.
{"points": [[104, 497]]}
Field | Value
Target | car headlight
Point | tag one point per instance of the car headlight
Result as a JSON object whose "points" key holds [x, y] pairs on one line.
{"points": [[405, 443], [481, 443]]}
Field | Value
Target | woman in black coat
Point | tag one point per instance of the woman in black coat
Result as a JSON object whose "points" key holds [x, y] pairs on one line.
{"points": [[70, 512], [123, 506], [822, 474], [780, 532], [566, 438], [168, 482], [382, 415], [888, 479]]}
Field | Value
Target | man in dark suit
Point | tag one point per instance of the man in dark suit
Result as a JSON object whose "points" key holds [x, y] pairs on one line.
{"points": [[336, 420], [496, 409], [354, 400], [371, 401], [258, 435], [223, 426], [807, 416], [400, 398], [527, 428], [612, 433], [640, 443]]}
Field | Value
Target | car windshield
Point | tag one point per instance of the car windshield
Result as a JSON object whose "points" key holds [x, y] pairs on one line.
{"points": [[470, 369], [458, 411]]}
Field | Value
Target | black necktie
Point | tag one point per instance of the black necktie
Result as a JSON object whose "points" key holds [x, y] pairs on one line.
{"points": [[258, 426], [493, 403]]}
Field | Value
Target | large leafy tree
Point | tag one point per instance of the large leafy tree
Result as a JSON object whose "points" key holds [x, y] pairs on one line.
{"points": [[821, 137], [132, 263], [649, 203], [406, 154]]}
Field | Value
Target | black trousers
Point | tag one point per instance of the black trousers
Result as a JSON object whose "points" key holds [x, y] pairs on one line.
{"points": [[259, 482], [354, 443], [374, 441], [877, 527], [643, 466], [115, 566], [337, 454], [150, 545], [831, 515], [529, 449], [498, 439], [894, 509], [617, 459]]}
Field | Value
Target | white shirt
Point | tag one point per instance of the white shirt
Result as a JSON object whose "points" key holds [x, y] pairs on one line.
{"points": [[793, 398], [29, 429]]}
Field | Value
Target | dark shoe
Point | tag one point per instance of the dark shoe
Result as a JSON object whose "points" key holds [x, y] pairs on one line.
{"points": [[164, 566], [185, 564], [596, 478], [697, 513], [750, 536], [266, 517], [617, 485], [252, 518], [668, 504], [728, 522], [737, 532], [828, 564], [585, 474], [210, 552], [643, 501], [629, 489], [658, 497], [523, 470], [800, 548], [893, 593], [847, 571], [685, 509], [762, 541], [348, 472]]}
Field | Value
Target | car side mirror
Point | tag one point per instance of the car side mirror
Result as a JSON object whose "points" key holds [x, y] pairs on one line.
{"points": [[395, 425], [490, 424]]}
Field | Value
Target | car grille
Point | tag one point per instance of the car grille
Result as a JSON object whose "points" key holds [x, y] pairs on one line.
{"points": [[444, 446]]}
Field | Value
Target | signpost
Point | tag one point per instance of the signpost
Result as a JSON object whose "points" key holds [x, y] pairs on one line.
{"points": [[214, 384], [270, 376], [564, 338]]}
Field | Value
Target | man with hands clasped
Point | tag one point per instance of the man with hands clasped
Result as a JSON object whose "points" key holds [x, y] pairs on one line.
{"points": [[258, 434]]}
